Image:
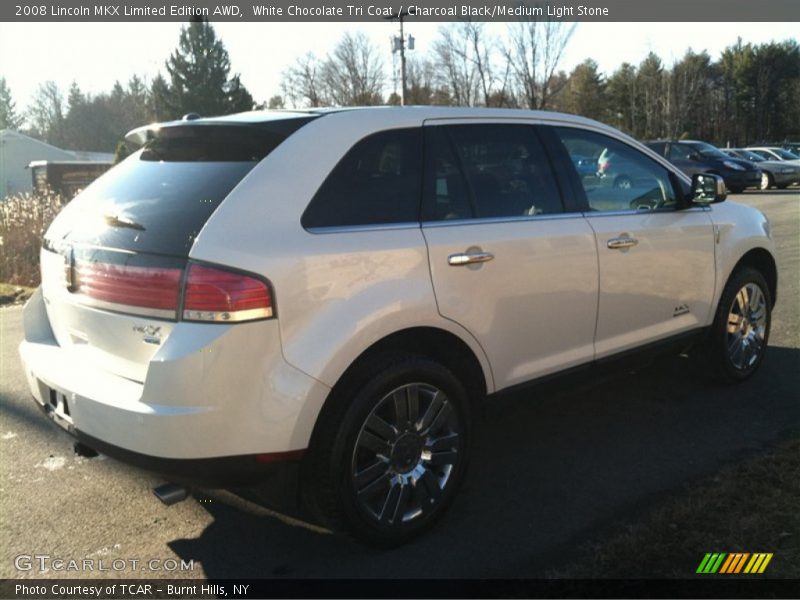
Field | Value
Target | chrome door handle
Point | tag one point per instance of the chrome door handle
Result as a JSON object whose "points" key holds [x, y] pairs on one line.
{"points": [[622, 242], [469, 258]]}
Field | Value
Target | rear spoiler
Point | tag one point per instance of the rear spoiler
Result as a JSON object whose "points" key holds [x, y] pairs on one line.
{"points": [[141, 135]]}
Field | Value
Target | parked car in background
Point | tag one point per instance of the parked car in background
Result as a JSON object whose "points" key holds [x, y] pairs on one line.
{"points": [[775, 153], [237, 295], [692, 157], [793, 147], [774, 173]]}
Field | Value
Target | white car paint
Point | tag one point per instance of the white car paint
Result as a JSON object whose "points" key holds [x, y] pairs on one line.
{"points": [[554, 297]]}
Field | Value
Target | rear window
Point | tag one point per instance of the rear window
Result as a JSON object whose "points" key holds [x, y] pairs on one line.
{"points": [[158, 200]]}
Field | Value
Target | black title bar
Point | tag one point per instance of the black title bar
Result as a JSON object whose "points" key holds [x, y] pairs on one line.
{"points": [[712, 11]]}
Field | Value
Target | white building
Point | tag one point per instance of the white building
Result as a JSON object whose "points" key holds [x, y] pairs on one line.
{"points": [[18, 150]]}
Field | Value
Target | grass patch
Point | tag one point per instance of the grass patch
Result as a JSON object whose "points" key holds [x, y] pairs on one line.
{"points": [[23, 220], [751, 507]]}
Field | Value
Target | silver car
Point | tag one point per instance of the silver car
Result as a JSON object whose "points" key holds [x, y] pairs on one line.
{"points": [[774, 173], [335, 292]]}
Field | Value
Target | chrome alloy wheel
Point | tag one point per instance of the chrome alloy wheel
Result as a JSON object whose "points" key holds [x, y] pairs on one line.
{"points": [[747, 326], [405, 453]]}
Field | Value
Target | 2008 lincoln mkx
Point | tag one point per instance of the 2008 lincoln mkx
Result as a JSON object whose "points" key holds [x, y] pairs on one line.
{"points": [[341, 288]]}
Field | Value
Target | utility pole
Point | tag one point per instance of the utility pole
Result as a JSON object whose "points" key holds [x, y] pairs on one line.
{"points": [[399, 44]]}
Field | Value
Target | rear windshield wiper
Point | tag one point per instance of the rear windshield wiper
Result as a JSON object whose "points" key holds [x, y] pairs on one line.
{"points": [[118, 221]]}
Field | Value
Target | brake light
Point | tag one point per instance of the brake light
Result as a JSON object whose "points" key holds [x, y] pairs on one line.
{"points": [[129, 286], [214, 294]]}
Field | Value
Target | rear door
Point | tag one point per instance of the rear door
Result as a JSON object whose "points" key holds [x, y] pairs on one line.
{"points": [[509, 261], [656, 258]]}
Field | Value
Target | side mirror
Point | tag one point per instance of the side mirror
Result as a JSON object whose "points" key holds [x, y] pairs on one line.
{"points": [[707, 188]]}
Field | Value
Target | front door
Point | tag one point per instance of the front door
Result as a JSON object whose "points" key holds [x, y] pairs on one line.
{"points": [[656, 257], [508, 262]]}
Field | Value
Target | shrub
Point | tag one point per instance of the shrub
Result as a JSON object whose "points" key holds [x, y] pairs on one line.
{"points": [[23, 220]]}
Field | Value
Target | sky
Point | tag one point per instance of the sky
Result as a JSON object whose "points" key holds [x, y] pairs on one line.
{"points": [[95, 55]]}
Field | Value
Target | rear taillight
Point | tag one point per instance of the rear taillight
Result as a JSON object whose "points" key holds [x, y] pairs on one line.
{"points": [[210, 294], [214, 294], [125, 288]]}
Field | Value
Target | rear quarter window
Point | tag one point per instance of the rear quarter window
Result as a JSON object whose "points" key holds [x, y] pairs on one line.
{"points": [[377, 182]]}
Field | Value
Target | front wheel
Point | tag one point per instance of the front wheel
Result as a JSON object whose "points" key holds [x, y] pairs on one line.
{"points": [[390, 454], [740, 332], [766, 181]]}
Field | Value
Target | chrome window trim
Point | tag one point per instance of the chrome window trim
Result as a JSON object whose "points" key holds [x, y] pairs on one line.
{"points": [[509, 219], [622, 213], [357, 228], [444, 223]]}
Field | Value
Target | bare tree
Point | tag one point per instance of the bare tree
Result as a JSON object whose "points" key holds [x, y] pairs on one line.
{"points": [[452, 52], [353, 73], [422, 84], [533, 51], [302, 82], [46, 113]]}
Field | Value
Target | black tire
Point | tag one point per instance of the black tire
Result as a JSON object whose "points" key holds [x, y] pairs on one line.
{"points": [[736, 189], [400, 502], [717, 353], [783, 186], [767, 180]]}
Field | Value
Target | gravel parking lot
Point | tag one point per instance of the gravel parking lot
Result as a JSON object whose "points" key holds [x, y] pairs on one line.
{"points": [[547, 473]]}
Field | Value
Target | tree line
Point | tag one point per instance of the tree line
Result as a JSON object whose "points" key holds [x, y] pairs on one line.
{"points": [[750, 93]]}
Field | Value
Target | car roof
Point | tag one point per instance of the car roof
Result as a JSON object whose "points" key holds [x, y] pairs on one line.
{"points": [[388, 116]]}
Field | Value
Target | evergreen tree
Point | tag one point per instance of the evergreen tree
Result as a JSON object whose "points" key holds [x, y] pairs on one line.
{"points": [[200, 79], [9, 119], [585, 91]]}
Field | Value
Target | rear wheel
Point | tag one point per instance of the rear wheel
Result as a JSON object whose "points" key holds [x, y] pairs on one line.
{"points": [[736, 189], [389, 456], [740, 333]]}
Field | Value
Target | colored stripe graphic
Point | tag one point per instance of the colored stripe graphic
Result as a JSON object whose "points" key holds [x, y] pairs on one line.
{"points": [[722, 563], [703, 563], [758, 563], [727, 564], [711, 562], [741, 562]]}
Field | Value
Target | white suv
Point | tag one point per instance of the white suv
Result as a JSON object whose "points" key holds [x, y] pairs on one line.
{"points": [[338, 289]]}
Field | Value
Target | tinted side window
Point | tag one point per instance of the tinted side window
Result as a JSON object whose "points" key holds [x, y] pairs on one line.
{"points": [[377, 182], [446, 195], [626, 179], [506, 170], [680, 152]]}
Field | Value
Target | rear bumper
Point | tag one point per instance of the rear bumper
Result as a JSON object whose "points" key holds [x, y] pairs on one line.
{"points": [[224, 471], [217, 396]]}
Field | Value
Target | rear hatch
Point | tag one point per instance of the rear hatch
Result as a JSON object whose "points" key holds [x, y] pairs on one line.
{"points": [[116, 276]]}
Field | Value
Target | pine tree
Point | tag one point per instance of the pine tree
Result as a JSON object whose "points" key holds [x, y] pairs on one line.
{"points": [[199, 76], [9, 119]]}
